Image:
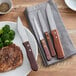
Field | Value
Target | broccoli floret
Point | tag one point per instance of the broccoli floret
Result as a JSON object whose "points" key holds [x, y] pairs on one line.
{"points": [[5, 37], [1, 45], [0, 40], [12, 37], [1, 31], [11, 34], [6, 28], [7, 42]]}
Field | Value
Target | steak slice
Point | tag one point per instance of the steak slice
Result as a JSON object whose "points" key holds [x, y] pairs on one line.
{"points": [[11, 57]]}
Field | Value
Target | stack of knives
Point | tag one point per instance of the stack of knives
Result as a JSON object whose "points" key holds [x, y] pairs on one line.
{"points": [[52, 48]]}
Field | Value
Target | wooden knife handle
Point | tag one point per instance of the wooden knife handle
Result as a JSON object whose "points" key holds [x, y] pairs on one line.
{"points": [[57, 43], [30, 56], [50, 44], [46, 50]]}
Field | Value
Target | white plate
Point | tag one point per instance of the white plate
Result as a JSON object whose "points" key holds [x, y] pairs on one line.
{"points": [[71, 4], [24, 69]]}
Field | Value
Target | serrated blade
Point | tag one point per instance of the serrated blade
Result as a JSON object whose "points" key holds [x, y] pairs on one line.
{"points": [[50, 17], [21, 30], [42, 21], [38, 29]]}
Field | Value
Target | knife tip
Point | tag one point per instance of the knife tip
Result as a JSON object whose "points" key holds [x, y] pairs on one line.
{"points": [[18, 18], [19, 21], [48, 6]]}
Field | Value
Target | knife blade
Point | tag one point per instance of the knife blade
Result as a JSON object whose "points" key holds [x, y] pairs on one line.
{"points": [[54, 32], [42, 40], [45, 30], [26, 44]]}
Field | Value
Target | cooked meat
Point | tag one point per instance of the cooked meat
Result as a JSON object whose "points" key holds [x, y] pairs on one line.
{"points": [[11, 57]]}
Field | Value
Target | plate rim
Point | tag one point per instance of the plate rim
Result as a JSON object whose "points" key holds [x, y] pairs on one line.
{"points": [[69, 6], [30, 34]]}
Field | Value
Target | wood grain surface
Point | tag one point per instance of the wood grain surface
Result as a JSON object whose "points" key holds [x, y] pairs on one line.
{"points": [[65, 68]]}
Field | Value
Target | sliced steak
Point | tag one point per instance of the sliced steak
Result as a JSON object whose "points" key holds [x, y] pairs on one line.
{"points": [[10, 58]]}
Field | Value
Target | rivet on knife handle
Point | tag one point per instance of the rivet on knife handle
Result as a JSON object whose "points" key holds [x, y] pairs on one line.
{"points": [[50, 44], [30, 56], [57, 43], [46, 50]]}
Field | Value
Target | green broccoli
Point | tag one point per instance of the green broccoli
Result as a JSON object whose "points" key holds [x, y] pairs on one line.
{"points": [[5, 37], [7, 42], [1, 44], [0, 40], [1, 31], [11, 34], [6, 28]]}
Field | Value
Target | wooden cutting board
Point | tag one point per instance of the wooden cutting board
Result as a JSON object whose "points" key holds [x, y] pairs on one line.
{"points": [[65, 68]]}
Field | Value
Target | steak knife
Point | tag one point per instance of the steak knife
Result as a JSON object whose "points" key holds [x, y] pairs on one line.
{"points": [[44, 45], [54, 32], [26, 44], [45, 30]]}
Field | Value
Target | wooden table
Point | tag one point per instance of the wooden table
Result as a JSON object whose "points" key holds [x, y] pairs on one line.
{"points": [[65, 68]]}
